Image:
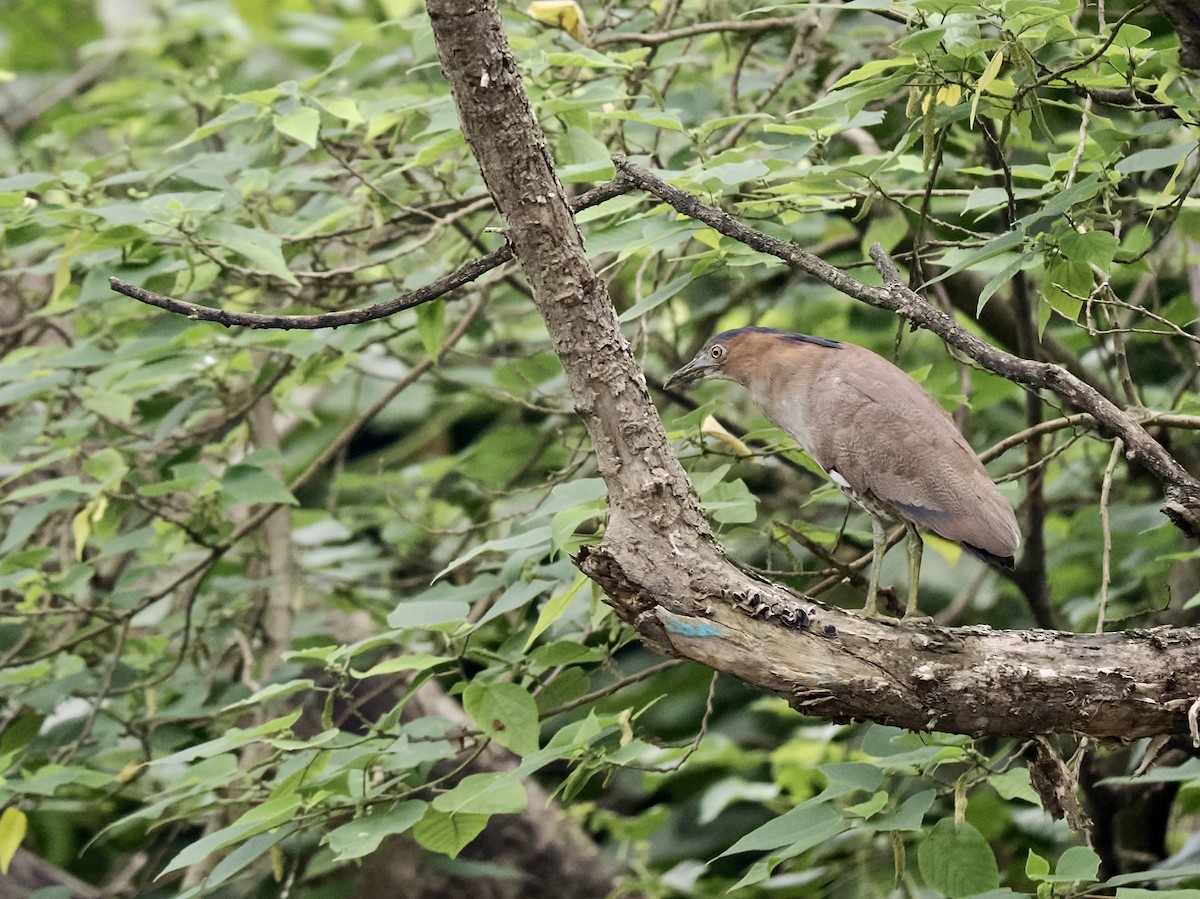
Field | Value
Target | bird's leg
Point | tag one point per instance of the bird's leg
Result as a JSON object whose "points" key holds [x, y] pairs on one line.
{"points": [[878, 543], [915, 548]]}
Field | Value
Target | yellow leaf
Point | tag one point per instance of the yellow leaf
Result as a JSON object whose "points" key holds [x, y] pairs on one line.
{"points": [[12, 831], [81, 524], [949, 95], [988, 76], [949, 551], [712, 428], [81, 529], [564, 14]]}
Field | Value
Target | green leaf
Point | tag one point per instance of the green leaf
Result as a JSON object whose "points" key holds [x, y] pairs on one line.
{"points": [[231, 739], [431, 327], [584, 158], [1014, 784], [1180, 873], [427, 613], [116, 407], [908, 817], [415, 662], [849, 777], [554, 609], [19, 733], [1002, 277], [448, 833], [300, 124], [1036, 867], [505, 712], [252, 485], [1131, 37], [985, 80], [962, 261], [1059, 204], [494, 793], [957, 860], [258, 247], [870, 807], [1189, 770], [270, 814], [13, 824], [1093, 247], [523, 540], [515, 597], [731, 174], [804, 820], [1078, 864], [656, 299], [247, 853], [344, 108], [272, 691], [242, 112], [362, 836], [1154, 159], [872, 69], [567, 521]]}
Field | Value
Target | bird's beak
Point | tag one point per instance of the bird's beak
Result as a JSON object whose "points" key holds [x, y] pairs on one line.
{"points": [[700, 367]]}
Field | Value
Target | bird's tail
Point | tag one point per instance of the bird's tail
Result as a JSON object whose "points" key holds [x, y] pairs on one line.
{"points": [[1009, 562]]}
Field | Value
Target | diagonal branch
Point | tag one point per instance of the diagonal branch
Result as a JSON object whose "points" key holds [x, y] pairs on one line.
{"points": [[435, 289]]}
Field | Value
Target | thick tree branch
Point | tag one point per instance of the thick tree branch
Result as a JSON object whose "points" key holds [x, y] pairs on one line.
{"points": [[658, 563], [1184, 17]]}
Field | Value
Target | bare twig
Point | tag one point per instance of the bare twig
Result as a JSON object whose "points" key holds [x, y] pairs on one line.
{"points": [[431, 291]]}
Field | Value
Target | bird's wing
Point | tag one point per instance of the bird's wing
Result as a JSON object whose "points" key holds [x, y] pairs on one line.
{"points": [[894, 444]]}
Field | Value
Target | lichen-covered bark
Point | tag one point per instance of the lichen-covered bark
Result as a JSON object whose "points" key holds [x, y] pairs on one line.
{"points": [[659, 564]]}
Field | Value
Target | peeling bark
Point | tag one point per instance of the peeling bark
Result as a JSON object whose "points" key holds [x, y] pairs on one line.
{"points": [[971, 680]]}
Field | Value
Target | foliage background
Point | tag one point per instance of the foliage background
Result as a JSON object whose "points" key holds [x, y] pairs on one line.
{"points": [[220, 545]]}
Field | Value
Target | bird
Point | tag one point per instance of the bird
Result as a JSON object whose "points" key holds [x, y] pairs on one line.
{"points": [[878, 435]]}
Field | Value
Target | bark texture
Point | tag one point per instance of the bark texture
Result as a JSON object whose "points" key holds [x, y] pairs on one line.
{"points": [[1184, 16], [659, 564]]}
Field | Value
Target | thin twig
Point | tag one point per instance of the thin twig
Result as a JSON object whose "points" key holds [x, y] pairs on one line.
{"points": [[431, 291]]}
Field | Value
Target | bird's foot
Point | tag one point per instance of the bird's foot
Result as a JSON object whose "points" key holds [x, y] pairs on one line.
{"points": [[910, 616]]}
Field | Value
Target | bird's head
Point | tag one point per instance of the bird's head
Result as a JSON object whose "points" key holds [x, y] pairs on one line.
{"points": [[739, 353]]}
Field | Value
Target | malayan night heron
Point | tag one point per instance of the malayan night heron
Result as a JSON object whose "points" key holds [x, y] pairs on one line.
{"points": [[876, 432]]}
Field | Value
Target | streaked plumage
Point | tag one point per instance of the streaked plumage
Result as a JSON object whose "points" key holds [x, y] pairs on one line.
{"points": [[880, 436]]}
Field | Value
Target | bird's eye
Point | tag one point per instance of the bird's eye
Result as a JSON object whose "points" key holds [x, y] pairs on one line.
{"points": [[717, 352]]}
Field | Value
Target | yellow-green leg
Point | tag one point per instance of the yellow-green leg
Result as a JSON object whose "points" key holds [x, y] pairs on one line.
{"points": [[915, 548], [878, 544]]}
